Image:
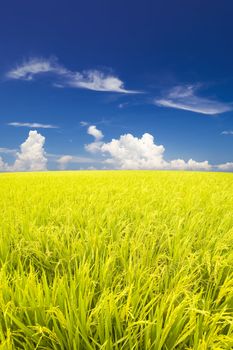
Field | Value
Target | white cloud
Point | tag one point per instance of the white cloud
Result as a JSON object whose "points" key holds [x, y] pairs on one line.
{"points": [[3, 165], [32, 155], [33, 125], [96, 133], [7, 150], [127, 152], [95, 146], [130, 152], [65, 160], [180, 164], [97, 81], [82, 123], [89, 79], [226, 166], [227, 132], [185, 98], [34, 66]]}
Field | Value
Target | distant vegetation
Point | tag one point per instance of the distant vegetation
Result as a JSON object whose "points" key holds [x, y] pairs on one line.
{"points": [[116, 260]]}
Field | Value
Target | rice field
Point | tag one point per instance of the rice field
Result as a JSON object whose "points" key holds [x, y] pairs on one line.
{"points": [[125, 260]]}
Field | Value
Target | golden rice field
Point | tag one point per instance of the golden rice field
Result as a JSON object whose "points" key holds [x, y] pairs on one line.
{"points": [[127, 260]]}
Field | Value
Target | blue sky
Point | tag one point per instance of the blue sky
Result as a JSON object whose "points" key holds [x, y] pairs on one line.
{"points": [[82, 82]]}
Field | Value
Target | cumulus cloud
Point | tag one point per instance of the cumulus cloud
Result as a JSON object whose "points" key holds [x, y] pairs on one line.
{"points": [[226, 166], [95, 146], [191, 164], [88, 79], [96, 133], [127, 152], [63, 161], [33, 125], [3, 165], [32, 154], [185, 98], [130, 152]]}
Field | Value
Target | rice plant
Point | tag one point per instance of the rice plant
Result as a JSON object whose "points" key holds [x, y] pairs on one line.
{"points": [[108, 260]]}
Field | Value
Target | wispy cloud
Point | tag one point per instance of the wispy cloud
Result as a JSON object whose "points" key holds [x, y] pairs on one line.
{"points": [[123, 105], [7, 150], [64, 160], [33, 125], [185, 98], [227, 132], [89, 79], [34, 66], [97, 81], [83, 123]]}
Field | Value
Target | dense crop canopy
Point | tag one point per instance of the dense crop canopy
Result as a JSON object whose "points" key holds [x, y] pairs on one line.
{"points": [[116, 260]]}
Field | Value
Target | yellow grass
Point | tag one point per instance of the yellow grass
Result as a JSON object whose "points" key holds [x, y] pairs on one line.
{"points": [[116, 260]]}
